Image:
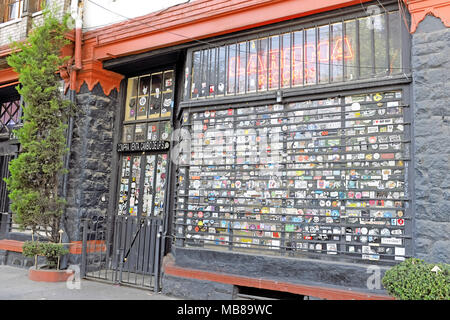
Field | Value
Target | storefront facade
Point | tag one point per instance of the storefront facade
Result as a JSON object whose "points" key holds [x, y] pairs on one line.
{"points": [[295, 150], [281, 145], [291, 159]]}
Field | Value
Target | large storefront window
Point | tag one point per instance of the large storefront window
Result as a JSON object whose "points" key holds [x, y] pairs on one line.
{"points": [[351, 49], [304, 172], [323, 177]]}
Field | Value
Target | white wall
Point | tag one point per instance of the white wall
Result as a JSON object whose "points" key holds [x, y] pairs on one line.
{"points": [[94, 16]]}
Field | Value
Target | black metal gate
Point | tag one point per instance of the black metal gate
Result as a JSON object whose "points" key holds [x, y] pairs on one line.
{"points": [[124, 251], [5, 216]]}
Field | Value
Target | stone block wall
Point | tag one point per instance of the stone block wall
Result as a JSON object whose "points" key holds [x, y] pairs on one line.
{"points": [[195, 289], [430, 58], [90, 164]]}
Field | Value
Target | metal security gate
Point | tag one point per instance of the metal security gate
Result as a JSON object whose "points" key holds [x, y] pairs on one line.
{"points": [[124, 251], [5, 216]]}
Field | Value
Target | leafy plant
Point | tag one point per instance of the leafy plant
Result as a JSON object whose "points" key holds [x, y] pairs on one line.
{"points": [[414, 279], [30, 249], [34, 183], [52, 251]]}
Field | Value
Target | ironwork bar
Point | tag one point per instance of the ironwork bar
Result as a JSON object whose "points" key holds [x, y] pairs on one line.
{"points": [[83, 249], [388, 50], [123, 246], [137, 252], [152, 247], [144, 251], [158, 244], [372, 40], [358, 51], [130, 248], [330, 59], [344, 73]]}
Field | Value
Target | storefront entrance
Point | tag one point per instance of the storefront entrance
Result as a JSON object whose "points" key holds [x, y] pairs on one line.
{"points": [[127, 246], [142, 196]]}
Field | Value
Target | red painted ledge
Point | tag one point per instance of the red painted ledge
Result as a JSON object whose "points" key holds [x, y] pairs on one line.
{"points": [[75, 247], [313, 291], [11, 245]]}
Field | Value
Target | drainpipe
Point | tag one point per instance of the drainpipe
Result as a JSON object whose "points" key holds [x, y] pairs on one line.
{"points": [[76, 9]]}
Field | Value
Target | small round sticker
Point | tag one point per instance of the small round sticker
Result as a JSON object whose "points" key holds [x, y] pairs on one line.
{"points": [[377, 97]]}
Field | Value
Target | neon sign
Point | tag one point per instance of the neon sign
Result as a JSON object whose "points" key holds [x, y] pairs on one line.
{"points": [[275, 65]]}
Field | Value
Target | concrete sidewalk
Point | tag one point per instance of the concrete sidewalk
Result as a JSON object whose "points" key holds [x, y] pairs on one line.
{"points": [[15, 285]]}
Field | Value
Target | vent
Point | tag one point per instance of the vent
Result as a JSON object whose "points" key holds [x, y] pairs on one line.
{"points": [[250, 293]]}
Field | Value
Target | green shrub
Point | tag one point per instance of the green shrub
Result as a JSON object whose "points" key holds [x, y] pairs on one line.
{"points": [[35, 180], [47, 249], [413, 279], [30, 249]]}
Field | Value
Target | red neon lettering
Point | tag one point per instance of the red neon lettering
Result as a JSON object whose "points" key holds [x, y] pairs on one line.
{"points": [[341, 49]]}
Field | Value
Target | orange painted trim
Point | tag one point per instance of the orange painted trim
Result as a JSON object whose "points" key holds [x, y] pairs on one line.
{"points": [[200, 19], [9, 84], [93, 73], [8, 75], [11, 245], [209, 20], [313, 291], [419, 9], [76, 247]]}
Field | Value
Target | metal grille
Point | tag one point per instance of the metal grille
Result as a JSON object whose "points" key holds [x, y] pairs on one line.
{"points": [[317, 178], [5, 217], [9, 116], [302, 55], [123, 251], [4, 200]]}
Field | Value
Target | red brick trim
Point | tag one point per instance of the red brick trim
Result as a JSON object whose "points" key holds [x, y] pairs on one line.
{"points": [[313, 291]]}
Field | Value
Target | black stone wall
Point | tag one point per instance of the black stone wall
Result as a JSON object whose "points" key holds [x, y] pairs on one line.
{"points": [[430, 58], [90, 159], [339, 275], [195, 289]]}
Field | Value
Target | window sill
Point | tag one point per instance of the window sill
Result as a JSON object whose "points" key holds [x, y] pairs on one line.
{"points": [[10, 22], [35, 14]]}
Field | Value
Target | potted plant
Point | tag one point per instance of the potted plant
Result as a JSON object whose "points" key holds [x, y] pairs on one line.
{"points": [[52, 252], [34, 183]]}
